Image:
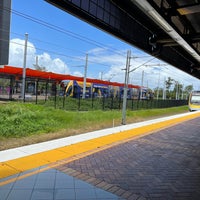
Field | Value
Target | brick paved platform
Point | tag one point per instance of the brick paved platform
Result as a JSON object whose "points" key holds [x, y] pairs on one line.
{"points": [[162, 165]]}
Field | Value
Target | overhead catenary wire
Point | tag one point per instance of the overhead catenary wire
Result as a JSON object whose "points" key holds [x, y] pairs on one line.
{"points": [[56, 53], [83, 59], [59, 29], [78, 58], [62, 30], [69, 33]]}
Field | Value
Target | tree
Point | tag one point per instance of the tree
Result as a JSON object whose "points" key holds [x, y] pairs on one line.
{"points": [[188, 88], [168, 84]]}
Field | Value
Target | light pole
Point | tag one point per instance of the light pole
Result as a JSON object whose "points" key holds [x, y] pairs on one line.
{"points": [[85, 76], [101, 75], [24, 68]]}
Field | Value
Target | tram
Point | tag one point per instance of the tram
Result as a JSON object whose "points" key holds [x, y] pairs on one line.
{"points": [[194, 101], [74, 89]]}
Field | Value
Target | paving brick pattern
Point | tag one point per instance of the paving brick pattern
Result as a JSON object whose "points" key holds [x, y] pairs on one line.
{"points": [[162, 165]]}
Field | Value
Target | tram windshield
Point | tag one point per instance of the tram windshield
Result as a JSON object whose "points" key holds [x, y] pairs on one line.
{"points": [[195, 99]]}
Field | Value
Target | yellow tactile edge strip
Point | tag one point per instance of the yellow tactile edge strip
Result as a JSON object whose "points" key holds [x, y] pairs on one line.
{"points": [[81, 149]]}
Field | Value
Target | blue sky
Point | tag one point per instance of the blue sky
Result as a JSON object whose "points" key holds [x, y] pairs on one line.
{"points": [[61, 41]]}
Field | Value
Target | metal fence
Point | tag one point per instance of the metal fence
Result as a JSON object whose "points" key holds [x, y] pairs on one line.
{"points": [[68, 103], [57, 100]]}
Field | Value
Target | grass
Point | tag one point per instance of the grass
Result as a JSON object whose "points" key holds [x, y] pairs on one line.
{"points": [[22, 124]]}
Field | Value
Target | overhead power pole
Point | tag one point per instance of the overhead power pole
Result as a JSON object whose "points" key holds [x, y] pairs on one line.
{"points": [[85, 77], [142, 83], [126, 87], [164, 89], [127, 72]]}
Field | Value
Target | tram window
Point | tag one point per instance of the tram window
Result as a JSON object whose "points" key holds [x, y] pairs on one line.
{"points": [[195, 99], [76, 92], [69, 91]]}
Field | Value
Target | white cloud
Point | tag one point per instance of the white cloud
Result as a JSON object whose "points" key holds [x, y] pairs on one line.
{"points": [[16, 53], [96, 51], [53, 65], [115, 74], [77, 73], [16, 57]]}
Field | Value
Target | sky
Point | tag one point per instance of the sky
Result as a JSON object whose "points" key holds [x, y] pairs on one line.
{"points": [[61, 41]]}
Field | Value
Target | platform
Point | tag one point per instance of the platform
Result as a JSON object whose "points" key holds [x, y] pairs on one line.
{"points": [[157, 159]]}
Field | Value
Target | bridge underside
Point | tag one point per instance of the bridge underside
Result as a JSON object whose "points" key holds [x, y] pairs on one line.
{"points": [[166, 29]]}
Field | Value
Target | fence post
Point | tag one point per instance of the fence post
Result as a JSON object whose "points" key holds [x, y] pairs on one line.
{"points": [[63, 100], [46, 90], [92, 100], [79, 102], [103, 103], [11, 87], [119, 102], [55, 99], [111, 102], [36, 95]]}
